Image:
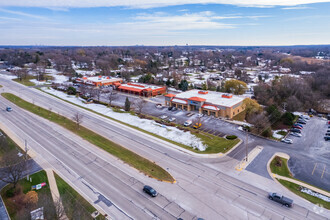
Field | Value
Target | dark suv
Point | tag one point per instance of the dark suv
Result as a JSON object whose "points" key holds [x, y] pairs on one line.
{"points": [[149, 190]]}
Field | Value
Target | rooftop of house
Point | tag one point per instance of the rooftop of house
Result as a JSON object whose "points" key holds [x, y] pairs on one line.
{"points": [[216, 98]]}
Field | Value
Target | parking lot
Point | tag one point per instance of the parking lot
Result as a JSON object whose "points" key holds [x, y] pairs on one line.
{"points": [[314, 167]]}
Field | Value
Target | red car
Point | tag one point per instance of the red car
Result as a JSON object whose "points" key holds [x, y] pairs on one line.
{"points": [[298, 127]]}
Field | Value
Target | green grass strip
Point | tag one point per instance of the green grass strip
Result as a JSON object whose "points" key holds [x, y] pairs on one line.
{"points": [[145, 166], [214, 143], [26, 81], [68, 194], [296, 189]]}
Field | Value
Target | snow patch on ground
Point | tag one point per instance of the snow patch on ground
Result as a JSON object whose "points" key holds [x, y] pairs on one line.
{"points": [[39, 82], [278, 136], [315, 194], [170, 133], [6, 76]]}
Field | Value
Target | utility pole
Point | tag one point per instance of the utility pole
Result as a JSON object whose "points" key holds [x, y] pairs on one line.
{"points": [[246, 146], [25, 157]]}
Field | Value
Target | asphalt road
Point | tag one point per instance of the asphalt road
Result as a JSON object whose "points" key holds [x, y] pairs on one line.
{"points": [[204, 188]]}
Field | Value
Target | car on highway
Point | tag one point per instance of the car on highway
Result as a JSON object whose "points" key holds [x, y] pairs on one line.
{"points": [[295, 134], [295, 130], [163, 117], [280, 199], [287, 140], [149, 190], [9, 109], [187, 123], [172, 119]]}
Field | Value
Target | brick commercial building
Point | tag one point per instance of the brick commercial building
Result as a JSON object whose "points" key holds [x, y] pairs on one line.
{"points": [[99, 80], [207, 102], [141, 89]]}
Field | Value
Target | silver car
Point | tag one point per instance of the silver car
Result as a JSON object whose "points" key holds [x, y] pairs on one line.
{"points": [[287, 140], [295, 134]]}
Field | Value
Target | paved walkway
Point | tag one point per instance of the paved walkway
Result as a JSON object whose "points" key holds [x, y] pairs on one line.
{"points": [[3, 211], [302, 184], [55, 193]]}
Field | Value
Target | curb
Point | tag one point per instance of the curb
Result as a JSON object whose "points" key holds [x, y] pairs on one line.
{"points": [[4, 205]]}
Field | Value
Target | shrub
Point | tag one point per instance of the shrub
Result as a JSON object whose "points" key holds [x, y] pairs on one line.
{"points": [[231, 137], [288, 118], [10, 192], [267, 132]]}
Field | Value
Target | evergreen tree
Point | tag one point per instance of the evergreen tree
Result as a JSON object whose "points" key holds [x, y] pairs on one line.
{"points": [[127, 104]]}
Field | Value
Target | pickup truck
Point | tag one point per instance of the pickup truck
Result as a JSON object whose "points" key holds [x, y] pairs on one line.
{"points": [[280, 199]]}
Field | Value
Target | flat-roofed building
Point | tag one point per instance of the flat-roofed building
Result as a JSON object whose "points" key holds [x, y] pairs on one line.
{"points": [[99, 80], [207, 102], [141, 89]]}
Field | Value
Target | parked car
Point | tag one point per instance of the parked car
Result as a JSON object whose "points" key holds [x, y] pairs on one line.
{"points": [[328, 131], [187, 123], [280, 199], [174, 109], [287, 140], [306, 117], [295, 130], [301, 122], [297, 124], [170, 108], [327, 134], [163, 117], [295, 134], [158, 105], [298, 127], [149, 190], [327, 138], [9, 109], [200, 115], [328, 122], [171, 119]]}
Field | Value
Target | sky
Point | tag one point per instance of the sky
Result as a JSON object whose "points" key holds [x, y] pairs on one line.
{"points": [[164, 22]]}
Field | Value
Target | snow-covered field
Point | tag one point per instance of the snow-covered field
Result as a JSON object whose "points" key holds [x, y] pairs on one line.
{"points": [[315, 194], [170, 133], [7, 76]]}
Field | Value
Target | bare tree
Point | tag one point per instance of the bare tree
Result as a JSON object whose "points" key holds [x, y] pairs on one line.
{"points": [[139, 104], [112, 96], [12, 168], [78, 118], [97, 92]]}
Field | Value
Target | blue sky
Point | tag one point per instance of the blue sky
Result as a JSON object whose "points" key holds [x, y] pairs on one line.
{"points": [[171, 22]]}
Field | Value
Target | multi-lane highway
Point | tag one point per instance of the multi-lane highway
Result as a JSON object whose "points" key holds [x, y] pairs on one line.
{"points": [[208, 188]]}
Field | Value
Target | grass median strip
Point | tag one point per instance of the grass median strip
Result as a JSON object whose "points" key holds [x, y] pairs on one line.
{"points": [[145, 166]]}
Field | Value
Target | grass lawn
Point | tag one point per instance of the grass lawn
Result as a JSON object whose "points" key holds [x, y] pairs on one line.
{"points": [[11, 144], [69, 196], [282, 170], [145, 166], [215, 144], [14, 203], [240, 116], [26, 81], [282, 133], [296, 189]]}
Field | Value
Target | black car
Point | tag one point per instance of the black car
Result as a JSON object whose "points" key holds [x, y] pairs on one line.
{"points": [[327, 138], [295, 130], [170, 108], [149, 190]]}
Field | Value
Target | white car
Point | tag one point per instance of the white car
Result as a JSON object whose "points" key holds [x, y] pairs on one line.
{"points": [[295, 134], [171, 119], [200, 115], [287, 140], [187, 123], [163, 117]]}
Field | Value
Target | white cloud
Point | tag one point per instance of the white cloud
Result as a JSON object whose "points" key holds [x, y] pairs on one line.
{"points": [[150, 3], [21, 14], [297, 8]]}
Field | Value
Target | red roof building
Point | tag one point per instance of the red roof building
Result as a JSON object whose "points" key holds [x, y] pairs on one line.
{"points": [[141, 89]]}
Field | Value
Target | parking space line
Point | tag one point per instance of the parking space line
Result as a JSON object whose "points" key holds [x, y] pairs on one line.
{"points": [[314, 168], [323, 171]]}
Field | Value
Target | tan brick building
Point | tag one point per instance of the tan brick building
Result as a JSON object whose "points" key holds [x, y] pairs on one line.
{"points": [[207, 102]]}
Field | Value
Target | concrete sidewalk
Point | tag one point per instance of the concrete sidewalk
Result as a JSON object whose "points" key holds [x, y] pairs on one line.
{"points": [[55, 194], [302, 184]]}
